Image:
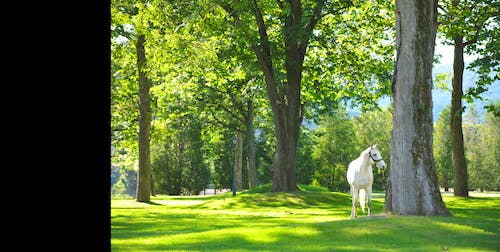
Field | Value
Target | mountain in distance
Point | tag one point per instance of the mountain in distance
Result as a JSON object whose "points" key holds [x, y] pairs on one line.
{"points": [[442, 98]]}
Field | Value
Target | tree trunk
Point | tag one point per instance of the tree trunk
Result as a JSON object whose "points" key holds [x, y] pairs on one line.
{"points": [[460, 187], [284, 95], [239, 161], [446, 183], [153, 192], [181, 146], [285, 159], [413, 181], [143, 192], [252, 170], [288, 118]]}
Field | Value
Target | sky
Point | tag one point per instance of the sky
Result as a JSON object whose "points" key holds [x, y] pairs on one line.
{"points": [[446, 52]]}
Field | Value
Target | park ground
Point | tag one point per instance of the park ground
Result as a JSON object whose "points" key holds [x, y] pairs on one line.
{"points": [[308, 220]]}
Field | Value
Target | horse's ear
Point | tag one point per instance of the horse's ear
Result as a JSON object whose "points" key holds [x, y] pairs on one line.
{"points": [[374, 145]]}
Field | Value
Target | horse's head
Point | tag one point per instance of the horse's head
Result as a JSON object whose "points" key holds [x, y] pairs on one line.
{"points": [[376, 157]]}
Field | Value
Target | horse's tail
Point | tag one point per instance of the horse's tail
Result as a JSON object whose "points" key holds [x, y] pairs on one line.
{"points": [[362, 195]]}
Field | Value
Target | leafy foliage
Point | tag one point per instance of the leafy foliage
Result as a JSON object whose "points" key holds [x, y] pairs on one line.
{"points": [[442, 149], [350, 57], [339, 139], [203, 72], [375, 127], [305, 162], [476, 24], [335, 146], [482, 151]]}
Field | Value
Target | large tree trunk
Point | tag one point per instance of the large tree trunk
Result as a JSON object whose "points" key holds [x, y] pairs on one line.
{"points": [[285, 159], [284, 95], [252, 170], [239, 161], [144, 175], [413, 181], [460, 187]]}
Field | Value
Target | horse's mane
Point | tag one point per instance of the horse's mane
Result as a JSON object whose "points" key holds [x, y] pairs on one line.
{"points": [[363, 156], [366, 151]]}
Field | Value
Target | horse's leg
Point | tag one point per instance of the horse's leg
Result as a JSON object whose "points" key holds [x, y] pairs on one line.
{"points": [[369, 198], [354, 196]]}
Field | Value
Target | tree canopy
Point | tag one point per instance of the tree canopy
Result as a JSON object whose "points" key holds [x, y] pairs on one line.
{"points": [[283, 73]]}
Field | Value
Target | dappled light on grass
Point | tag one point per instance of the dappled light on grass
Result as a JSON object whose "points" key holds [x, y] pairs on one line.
{"points": [[301, 221]]}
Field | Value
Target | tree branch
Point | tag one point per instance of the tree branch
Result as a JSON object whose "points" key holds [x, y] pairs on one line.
{"points": [[317, 16], [231, 12], [233, 115], [340, 9], [269, 76], [238, 106], [233, 100], [476, 35], [311, 24], [445, 11], [263, 37], [263, 53], [224, 124], [280, 3]]}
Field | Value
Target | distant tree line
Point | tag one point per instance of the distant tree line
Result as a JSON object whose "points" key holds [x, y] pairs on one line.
{"points": [[482, 149], [191, 158]]}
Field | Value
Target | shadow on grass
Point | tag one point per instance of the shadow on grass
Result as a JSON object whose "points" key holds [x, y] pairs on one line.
{"points": [[154, 203], [303, 221], [271, 234], [298, 199], [478, 212]]}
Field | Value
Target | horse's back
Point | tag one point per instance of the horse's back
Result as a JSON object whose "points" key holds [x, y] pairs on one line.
{"points": [[356, 177]]}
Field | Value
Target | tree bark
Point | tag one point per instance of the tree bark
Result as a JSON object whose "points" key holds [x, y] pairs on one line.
{"points": [[153, 192], [413, 181], [143, 192], [285, 160], [252, 170], [284, 96], [460, 187], [239, 161]]}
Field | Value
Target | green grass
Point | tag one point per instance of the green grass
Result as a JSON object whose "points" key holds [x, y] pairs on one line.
{"points": [[312, 220]]}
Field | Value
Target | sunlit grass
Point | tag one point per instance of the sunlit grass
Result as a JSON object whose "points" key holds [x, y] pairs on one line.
{"points": [[302, 221]]}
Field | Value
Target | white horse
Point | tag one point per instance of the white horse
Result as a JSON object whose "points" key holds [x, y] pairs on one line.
{"points": [[360, 177]]}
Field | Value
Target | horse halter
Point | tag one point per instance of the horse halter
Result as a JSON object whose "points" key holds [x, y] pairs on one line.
{"points": [[370, 153]]}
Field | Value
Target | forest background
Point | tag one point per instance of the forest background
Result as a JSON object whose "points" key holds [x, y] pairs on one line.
{"points": [[209, 105]]}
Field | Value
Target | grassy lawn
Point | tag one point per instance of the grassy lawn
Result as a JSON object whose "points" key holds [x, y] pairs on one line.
{"points": [[303, 221]]}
